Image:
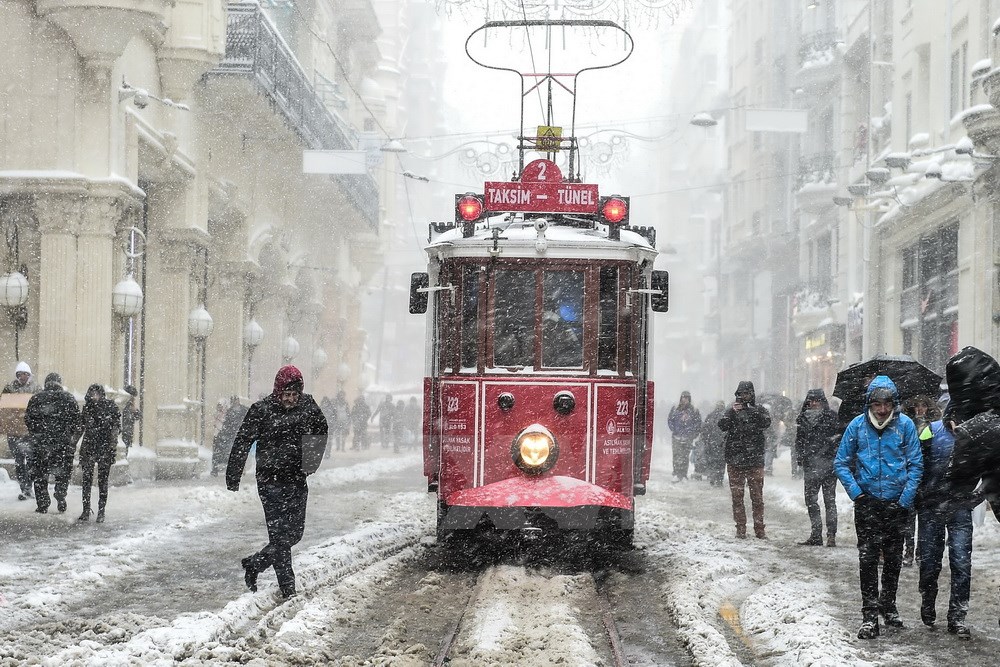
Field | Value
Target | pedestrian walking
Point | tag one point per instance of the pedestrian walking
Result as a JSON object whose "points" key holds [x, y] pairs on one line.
{"points": [[130, 415], [290, 432], [360, 414], [400, 433], [684, 422], [880, 464], [341, 423], [101, 424], [713, 445], [222, 443], [413, 416], [744, 424], [816, 447], [923, 411], [386, 413], [20, 445], [944, 518], [53, 419]]}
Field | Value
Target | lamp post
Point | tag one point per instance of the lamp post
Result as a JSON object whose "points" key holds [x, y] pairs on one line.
{"points": [[200, 327], [13, 295], [253, 334]]}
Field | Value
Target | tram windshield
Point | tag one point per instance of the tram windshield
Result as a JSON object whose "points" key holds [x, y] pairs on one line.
{"points": [[514, 318], [562, 319]]}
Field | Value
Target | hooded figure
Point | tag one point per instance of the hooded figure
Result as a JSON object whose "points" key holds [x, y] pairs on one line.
{"points": [[880, 464], [290, 432], [744, 424], [816, 445], [684, 422], [53, 419], [713, 450], [101, 424], [20, 446]]}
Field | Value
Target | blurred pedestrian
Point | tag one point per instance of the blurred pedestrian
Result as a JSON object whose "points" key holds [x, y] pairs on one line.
{"points": [[360, 414], [399, 430], [222, 443], [386, 414], [341, 423], [880, 464], [923, 411], [291, 433], [130, 415], [684, 422], [414, 421], [744, 424], [53, 419], [713, 445], [816, 447], [101, 424], [20, 445]]}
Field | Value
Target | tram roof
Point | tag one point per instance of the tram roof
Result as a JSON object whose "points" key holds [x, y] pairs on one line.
{"points": [[519, 239]]}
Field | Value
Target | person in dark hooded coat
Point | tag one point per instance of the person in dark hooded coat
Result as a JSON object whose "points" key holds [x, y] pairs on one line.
{"points": [[684, 422], [816, 444], [713, 446], [744, 424], [101, 424], [53, 419], [290, 432]]}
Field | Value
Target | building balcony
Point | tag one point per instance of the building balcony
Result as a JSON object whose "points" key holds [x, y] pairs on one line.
{"points": [[819, 60], [816, 183], [256, 52]]}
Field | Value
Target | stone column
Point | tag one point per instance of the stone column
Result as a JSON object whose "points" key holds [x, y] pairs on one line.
{"points": [[58, 219], [228, 285]]}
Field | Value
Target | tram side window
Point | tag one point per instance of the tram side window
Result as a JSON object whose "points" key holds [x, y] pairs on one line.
{"points": [[514, 318], [607, 330], [562, 319], [470, 316]]}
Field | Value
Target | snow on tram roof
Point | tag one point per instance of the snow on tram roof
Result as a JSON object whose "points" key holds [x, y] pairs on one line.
{"points": [[519, 238]]}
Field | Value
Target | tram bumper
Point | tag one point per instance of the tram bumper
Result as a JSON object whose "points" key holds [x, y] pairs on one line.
{"points": [[528, 502]]}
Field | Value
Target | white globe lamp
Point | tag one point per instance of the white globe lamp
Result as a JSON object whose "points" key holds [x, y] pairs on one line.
{"points": [[126, 297], [289, 348], [319, 358], [253, 333], [13, 289], [200, 323]]}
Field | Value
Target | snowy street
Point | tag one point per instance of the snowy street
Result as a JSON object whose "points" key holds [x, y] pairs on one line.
{"points": [[160, 583]]}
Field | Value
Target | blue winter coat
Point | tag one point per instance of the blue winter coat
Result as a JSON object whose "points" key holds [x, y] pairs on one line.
{"points": [[887, 467]]}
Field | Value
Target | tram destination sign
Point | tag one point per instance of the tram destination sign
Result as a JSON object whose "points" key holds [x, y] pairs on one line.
{"points": [[540, 197]]}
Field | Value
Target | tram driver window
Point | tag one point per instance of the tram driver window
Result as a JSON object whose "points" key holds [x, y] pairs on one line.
{"points": [[607, 329], [470, 316], [514, 318], [562, 319]]}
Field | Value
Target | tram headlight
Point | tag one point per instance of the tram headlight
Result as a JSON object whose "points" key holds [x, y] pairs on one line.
{"points": [[535, 450]]}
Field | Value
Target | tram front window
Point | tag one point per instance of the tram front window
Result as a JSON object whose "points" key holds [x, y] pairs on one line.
{"points": [[514, 318], [562, 319]]}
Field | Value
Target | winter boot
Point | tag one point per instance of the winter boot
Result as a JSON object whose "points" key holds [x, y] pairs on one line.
{"points": [[249, 573], [959, 629], [892, 618], [908, 555], [741, 532], [86, 514], [100, 517], [831, 540], [927, 612], [813, 541], [61, 505], [868, 630]]}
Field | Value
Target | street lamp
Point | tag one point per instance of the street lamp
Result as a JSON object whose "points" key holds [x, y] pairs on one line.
{"points": [[289, 348], [200, 323], [253, 334], [126, 298]]}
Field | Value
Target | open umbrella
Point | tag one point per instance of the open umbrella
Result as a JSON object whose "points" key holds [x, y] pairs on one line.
{"points": [[911, 377], [781, 407]]}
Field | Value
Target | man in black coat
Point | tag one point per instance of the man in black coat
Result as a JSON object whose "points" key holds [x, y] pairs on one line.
{"points": [[744, 424], [290, 431], [713, 445], [53, 419], [816, 444]]}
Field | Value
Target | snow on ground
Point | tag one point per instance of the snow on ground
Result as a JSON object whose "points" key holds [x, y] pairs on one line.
{"points": [[525, 618]]}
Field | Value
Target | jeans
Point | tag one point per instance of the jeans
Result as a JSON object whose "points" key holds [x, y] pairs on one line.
{"points": [[52, 460], [103, 472], [754, 478], [285, 515], [828, 483], [879, 525], [930, 541], [682, 456]]}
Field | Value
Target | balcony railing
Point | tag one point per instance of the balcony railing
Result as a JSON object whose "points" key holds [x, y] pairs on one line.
{"points": [[817, 49], [818, 169], [256, 50]]}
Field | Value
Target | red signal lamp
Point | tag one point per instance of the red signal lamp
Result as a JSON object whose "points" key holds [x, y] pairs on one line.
{"points": [[468, 207], [614, 209]]}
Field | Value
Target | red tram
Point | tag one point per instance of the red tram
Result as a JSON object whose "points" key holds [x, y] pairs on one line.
{"points": [[538, 413]]}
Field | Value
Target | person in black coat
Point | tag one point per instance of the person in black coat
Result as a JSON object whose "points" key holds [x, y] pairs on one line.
{"points": [[713, 447], [744, 424], [290, 431], [101, 424], [53, 420], [222, 443], [816, 444]]}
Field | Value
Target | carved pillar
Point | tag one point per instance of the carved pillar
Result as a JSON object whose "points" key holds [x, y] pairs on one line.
{"points": [[58, 219], [228, 281]]}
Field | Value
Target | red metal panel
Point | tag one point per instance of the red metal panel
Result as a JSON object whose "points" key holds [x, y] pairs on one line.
{"points": [[459, 426], [544, 491], [533, 404], [541, 197], [614, 428]]}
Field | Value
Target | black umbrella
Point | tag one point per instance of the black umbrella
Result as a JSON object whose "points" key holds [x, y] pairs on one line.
{"points": [[780, 407], [911, 377]]}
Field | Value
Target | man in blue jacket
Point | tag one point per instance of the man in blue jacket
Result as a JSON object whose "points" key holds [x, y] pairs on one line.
{"points": [[880, 464]]}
